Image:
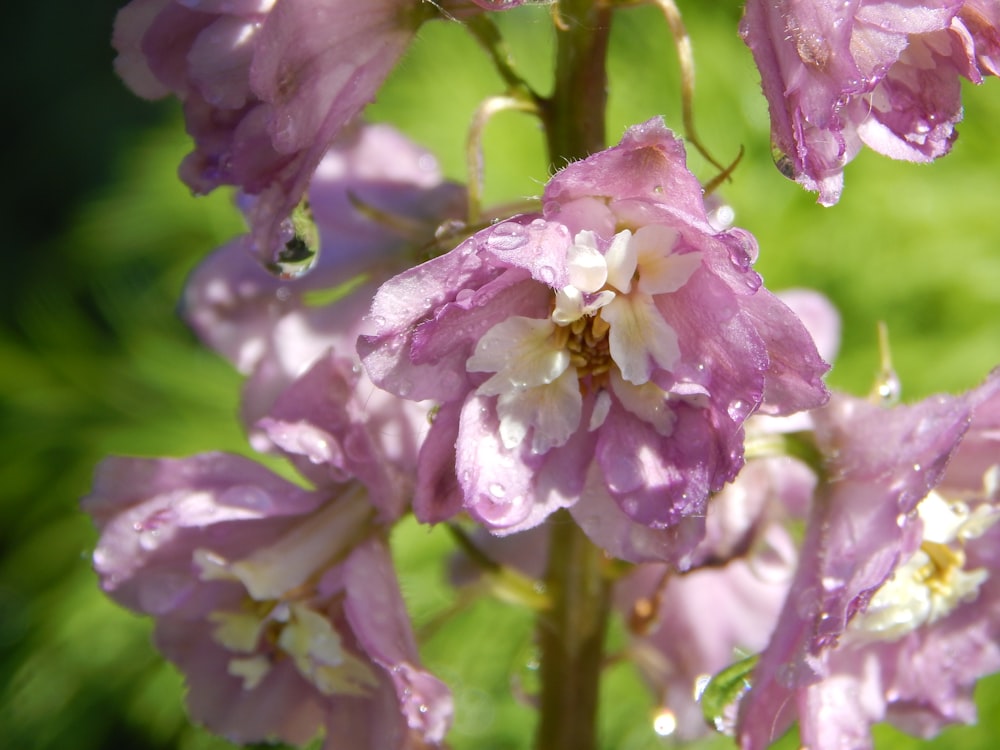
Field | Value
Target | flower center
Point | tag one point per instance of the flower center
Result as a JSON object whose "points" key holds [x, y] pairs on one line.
{"points": [[586, 340], [262, 634], [934, 581]]}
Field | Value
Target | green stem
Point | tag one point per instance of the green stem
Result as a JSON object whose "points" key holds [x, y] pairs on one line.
{"points": [[574, 114], [571, 633], [571, 639]]}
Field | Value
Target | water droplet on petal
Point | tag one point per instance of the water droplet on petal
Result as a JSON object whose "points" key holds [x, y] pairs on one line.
{"points": [[298, 244], [149, 539], [807, 605], [830, 583], [783, 162], [737, 411], [246, 496], [497, 490], [506, 237], [546, 274], [624, 474]]}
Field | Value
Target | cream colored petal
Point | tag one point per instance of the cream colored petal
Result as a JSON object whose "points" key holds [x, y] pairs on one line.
{"points": [[640, 337], [553, 411], [237, 631], [521, 352], [621, 259], [588, 270], [660, 269], [648, 401]]}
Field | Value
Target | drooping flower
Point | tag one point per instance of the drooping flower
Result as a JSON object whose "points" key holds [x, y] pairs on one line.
{"points": [[688, 627], [278, 603], [839, 75], [270, 328], [266, 86], [618, 330], [893, 612]]}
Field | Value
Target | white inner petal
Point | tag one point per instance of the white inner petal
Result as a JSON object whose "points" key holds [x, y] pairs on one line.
{"points": [[621, 258], [588, 270], [640, 337], [552, 410], [521, 352], [647, 401], [306, 549], [660, 270]]}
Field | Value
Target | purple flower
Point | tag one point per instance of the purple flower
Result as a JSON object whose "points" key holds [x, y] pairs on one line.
{"points": [[893, 612], [688, 627], [268, 327], [617, 330], [884, 74], [266, 87], [278, 603]]}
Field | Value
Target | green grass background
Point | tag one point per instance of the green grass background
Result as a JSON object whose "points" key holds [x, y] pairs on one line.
{"points": [[99, 237]]}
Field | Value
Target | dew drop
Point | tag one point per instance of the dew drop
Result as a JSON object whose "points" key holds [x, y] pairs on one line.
{"points": [[831, 583], [546, 274], [665, 722], [297, 245], [807, 605], [889, 388], [449, 229], [246, 496], [786, 675], [427, 163], [783, 162], [737, 410], [507, 236], [624, 475], [740, 258], [284, 133], [149, 539], [497, 490]]}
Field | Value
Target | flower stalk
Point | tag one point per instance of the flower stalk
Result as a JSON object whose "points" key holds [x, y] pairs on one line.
{"points": [[571, 635], [574, 114], [571, 639]]}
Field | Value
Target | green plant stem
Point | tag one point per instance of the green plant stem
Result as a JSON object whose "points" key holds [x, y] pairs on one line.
{"points": [[571, 633], [571, 639], [574, 114]]}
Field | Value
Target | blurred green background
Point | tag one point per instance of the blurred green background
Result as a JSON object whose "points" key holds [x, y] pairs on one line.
{"points": [[100, 236]]}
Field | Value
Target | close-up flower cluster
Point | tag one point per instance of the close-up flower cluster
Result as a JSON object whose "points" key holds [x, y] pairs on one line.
{"points": [[604, 407]]}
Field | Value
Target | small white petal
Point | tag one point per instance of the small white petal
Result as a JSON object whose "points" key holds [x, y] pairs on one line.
{"points": [[569, 306], [621, 259], [660, 270], [648, 401], [602, 405], [588, 270], [640, 337], [522, 354], [553, 411]]}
